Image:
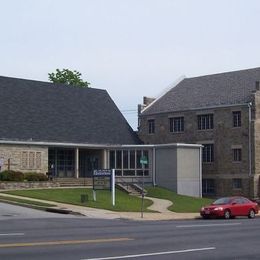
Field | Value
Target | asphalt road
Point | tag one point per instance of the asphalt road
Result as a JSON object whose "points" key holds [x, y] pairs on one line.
{"points": [[30, 234]]}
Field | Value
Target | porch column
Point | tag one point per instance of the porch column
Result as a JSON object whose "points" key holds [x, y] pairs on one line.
{"points": [[104, 159], [77, 163]]}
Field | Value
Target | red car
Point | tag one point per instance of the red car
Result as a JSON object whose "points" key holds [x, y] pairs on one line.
{"points": [[230, 207]]}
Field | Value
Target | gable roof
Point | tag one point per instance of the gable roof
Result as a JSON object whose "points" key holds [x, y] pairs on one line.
{"points": [[41, 111], [207, 91]]}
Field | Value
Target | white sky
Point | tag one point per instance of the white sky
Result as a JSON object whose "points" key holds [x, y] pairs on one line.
{"points": [[131, 48]]}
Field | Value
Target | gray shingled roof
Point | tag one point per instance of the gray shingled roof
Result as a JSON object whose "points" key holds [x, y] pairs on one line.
{"points": [[208, 91], [41, 111]]}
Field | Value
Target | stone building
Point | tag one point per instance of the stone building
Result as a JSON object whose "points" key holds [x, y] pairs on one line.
{"points": [[66, 127], [221, 112], [71, 131]]}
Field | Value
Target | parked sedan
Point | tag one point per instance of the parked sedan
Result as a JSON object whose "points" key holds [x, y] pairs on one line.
{"points": [[230, 207]]}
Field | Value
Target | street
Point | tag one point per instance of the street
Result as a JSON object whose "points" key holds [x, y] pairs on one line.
{"points": [[31, 234]]}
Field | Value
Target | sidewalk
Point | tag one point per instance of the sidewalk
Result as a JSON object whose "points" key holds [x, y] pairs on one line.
{"points": [[159, 205]]}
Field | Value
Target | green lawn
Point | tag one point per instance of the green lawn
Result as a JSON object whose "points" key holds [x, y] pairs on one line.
{"points": [[180, 203], [123, 202], [25, 201]]}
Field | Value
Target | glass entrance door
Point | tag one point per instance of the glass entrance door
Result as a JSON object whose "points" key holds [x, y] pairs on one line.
{"points": [[87, 163]]}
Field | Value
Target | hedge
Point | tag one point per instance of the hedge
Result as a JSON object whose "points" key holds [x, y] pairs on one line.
{"points": [[11, 176], [34, 176], [17, 176]]}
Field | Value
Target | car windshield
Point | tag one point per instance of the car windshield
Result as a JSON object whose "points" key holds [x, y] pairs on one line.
{"points": [[221, 201]]}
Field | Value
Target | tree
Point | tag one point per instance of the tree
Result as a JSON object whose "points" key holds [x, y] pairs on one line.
{"points": [[68, 77]]}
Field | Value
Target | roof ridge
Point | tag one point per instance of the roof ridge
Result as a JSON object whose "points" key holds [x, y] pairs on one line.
{"points": [[226, 72], [234, 87], [164, 92], [48, 83]]}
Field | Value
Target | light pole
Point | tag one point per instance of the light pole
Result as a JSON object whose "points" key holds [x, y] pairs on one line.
{"points": [[143, 161]]}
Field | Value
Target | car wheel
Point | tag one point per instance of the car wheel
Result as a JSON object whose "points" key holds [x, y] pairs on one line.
{"points": [[205, 217], [251, 213], [227, 214]]}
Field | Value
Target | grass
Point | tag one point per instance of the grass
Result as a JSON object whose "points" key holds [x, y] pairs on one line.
{"points": [[25, 201], [180, 203], [123, 202]]}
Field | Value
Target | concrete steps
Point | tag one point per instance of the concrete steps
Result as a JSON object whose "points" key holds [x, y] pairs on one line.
{"points": [[131, 188], [73, 182]]}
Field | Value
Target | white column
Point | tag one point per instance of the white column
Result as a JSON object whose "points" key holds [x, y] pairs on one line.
{"points": [[154, 167], [104, 159], [77, 163]]}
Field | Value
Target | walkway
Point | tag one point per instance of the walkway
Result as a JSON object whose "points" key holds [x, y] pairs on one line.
{"points": [[159, 205]]}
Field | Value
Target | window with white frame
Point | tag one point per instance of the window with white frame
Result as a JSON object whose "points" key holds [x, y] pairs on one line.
{"points": [[127, 162], [205, 122], [176, 124]]}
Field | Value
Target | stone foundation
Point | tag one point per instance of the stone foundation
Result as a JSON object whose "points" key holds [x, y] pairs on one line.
{"points": [[27, 185]]}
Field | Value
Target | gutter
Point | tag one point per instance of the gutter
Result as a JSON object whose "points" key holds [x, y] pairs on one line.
{"points": [[194, 109], [200, 172], [100, 146], [249, 139]]}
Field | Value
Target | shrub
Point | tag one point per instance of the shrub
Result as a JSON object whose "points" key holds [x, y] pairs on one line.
{"points": [[34, 176], [9, 175]]}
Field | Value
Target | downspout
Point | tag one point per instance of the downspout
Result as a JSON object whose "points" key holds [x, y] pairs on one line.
{"points": [[249, 139], [200, 172]]}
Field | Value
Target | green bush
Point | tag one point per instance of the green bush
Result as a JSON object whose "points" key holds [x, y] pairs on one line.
{"points": [[9, 175], [34, 176]]}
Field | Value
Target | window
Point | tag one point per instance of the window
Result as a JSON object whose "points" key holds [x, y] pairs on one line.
{"points": [[237, 155], [127, 162], [65, 162], [208, 153], [31, 160], [208, 186], [112, 161], [237, 184], [24, 160], [176, 124], [38, 160], [205, 122], [151, 126], [236, 118]]}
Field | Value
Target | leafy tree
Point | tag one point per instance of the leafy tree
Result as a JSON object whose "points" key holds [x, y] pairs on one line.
{"points": [[68, 77]]}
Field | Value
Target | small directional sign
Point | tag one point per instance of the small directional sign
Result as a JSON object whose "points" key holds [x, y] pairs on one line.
{"points": [[144, 160], [102, 179]]}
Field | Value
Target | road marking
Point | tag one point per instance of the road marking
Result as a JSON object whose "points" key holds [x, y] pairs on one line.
{"points": [[12, 234], [209, 225], [65, 242], [153, 254]]}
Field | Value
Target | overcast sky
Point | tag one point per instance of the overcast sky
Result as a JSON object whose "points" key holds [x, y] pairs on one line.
{"points": [[131, 48]]}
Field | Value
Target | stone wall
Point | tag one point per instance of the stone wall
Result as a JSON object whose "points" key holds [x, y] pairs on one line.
{"points": [[24, 158], [224, 136], [27, 185]]}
